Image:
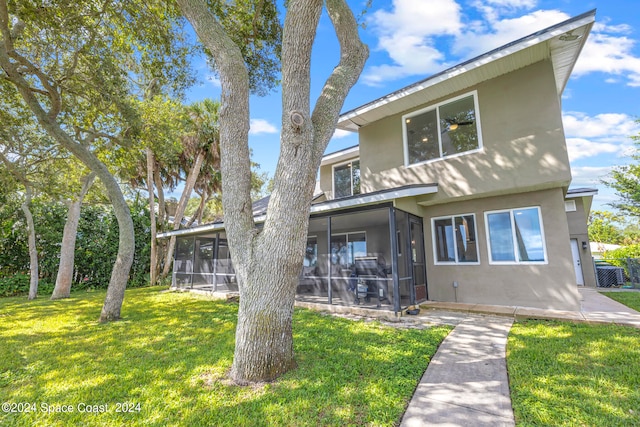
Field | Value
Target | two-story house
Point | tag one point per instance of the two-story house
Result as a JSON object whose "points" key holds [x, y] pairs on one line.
{"points": [[457, 191]]}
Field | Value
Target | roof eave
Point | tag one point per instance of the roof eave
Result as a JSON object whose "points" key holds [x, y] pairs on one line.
{"points": [[349, 120]]}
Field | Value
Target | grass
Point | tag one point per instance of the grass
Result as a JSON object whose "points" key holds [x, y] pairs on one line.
{"points": [[170, 353], [566, 374], [630, 299]]}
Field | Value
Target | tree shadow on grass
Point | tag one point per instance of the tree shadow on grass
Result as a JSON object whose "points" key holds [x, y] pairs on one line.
{"points": [[574, 374], [171, 352]]}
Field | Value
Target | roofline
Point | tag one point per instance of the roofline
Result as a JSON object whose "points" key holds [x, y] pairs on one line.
{"points": [[473, 63], [583, 192], [340, 153], [328, 206]]}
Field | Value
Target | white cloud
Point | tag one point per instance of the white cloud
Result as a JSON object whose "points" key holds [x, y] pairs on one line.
{"points": [[513, 3], [499, 32], [611, 54], [407, 34], [411, 33], [588, 175], [579, 148], [590, 136], [612, 126], [341, 133], [261, 126]]}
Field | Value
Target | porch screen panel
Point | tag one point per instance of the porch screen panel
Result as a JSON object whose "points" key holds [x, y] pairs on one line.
{"points": [[312, 285], [203, 261], [183, 262], [360, 258], [225, 274]]}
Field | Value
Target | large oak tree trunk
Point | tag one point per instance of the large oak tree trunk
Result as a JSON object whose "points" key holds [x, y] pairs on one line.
{"points": [[33, 251], [268, 262], [64, 278]]}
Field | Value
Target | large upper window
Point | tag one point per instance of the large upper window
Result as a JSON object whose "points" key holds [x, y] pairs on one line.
{"points": [[442, 130], [455, 239], [516, 236], [346, 179]]}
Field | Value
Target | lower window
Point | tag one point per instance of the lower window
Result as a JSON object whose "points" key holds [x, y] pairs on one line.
{"points": [[516, 236], [455, 239]]}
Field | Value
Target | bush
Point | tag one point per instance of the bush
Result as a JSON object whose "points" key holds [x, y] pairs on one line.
{"points": [[96, 246], [19, 283]]}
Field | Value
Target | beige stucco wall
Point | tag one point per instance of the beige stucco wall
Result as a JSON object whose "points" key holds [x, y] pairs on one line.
{"points": [[578, 230], [523, 143], [550, 285]]}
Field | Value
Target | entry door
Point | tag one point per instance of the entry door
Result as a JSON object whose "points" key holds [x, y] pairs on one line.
{"points": [[418, 260], [575, 252]]}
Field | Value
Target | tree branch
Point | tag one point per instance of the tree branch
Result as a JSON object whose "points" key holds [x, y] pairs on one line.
{"points": [[353, 55], [234, 119]]}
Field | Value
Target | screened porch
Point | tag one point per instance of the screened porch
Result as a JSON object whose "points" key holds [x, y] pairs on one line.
{"points": [[371, 256]]}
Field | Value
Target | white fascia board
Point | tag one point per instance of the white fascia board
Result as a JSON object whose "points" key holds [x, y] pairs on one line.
{"points": [[368, 199], [340, 155], [582, 194]]}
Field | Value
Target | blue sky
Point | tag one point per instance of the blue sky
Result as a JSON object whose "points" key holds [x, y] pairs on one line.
{"points": [[410, 40]]}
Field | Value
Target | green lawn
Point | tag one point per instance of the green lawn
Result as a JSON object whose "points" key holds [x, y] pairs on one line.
{"points": [[170, 353], [630, 299], [566, 374]]}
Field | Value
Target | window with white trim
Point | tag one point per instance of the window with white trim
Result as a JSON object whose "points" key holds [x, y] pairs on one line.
{"points": [[455, 239], [442, 130], [516, 236], [346, 179]]}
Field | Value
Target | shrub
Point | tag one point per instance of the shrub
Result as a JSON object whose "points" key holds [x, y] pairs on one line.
{"points": [[17, 284]]}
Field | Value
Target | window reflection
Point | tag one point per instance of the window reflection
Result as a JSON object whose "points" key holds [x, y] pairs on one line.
{"points": [[444, 130]]}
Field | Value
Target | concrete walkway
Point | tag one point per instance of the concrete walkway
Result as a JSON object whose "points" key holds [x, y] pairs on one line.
{"points": [[466, 382]]}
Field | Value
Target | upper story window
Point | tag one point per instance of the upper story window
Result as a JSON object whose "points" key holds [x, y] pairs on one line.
{"points": [[442, 130], [346, 179]]}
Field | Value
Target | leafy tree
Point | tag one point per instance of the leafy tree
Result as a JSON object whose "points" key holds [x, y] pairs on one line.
{"points": [[268, 261], [603, 228], [199, 161], [78, 67], [153, 163], [625, 180], [96, 245], [34, 165]]}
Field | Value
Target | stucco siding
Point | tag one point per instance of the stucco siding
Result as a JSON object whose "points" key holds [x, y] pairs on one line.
{"points": [[522, 135], [550, 285]]}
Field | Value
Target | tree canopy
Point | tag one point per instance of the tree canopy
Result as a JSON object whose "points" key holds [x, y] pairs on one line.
{"points": [[625, 180]]}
